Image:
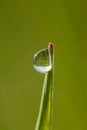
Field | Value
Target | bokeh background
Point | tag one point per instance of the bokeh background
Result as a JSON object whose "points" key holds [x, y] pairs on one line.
{"points": [[26, 27]]}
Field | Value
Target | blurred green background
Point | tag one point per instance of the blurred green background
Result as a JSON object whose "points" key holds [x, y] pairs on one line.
{"points": [[26, 27]]}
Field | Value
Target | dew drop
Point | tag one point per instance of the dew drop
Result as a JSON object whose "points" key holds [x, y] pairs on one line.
{"points": [[41, 61]]}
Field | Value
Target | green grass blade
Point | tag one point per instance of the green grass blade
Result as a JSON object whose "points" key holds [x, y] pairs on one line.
{"points": [[44, 118], [45, 111]]}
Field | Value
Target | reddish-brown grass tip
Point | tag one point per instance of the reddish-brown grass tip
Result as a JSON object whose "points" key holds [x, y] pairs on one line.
{"points": [[51, 45]]}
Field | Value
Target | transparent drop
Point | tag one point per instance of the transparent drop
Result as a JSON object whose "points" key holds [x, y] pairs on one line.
{"points": [[42, 62]]}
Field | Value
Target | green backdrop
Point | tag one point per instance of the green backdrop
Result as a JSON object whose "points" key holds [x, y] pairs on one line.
{"points": [[26, 27]]}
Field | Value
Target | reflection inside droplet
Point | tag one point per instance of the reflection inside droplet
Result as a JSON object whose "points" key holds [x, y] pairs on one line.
{"points": [[42, 62]]}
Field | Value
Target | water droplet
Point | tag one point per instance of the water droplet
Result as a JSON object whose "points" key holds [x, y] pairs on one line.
{"points": [[42, 62]]}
